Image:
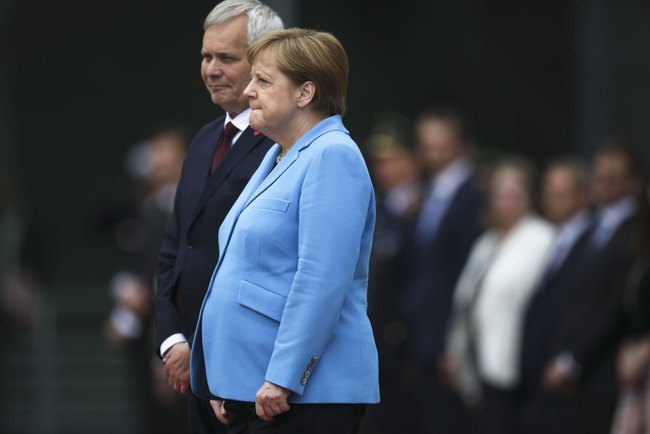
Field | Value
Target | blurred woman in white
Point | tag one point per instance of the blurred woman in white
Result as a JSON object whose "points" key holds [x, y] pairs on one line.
{"points": [[505, 264]]}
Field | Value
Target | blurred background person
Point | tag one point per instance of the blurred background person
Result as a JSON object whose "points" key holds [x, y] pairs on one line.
{"points": [[21, 258], [221, 159], [396, 177], [633, 366], [491, 297], [156, 166], [444, 229], [565, 203], [589, 328]]}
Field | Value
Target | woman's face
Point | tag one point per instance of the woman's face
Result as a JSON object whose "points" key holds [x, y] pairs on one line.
{"points": [[272, 96], [509, 200]]}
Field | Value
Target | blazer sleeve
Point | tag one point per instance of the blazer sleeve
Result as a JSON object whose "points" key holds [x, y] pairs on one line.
{"points": [[335, 206]]}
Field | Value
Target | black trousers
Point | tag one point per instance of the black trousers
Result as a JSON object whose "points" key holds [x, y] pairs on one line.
{"points": [[501, 411], [201, 418], [300, 419]]}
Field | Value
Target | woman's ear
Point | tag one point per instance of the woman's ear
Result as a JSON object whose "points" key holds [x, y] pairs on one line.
{"points": [[307, 92]]}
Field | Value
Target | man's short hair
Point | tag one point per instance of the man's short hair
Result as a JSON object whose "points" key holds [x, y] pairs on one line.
{"points": [[452, 115], [261, 18], [618, 147]]}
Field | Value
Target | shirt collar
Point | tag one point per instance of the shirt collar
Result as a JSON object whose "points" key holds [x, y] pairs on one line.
{"points": [[451, 177], [613, 215], [570, 230], [241, 121]]}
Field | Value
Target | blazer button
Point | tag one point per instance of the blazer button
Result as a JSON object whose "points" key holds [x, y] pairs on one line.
{"points": [[314, 359], [190, 244], [303, 381], [307, 373], [310, 367]]}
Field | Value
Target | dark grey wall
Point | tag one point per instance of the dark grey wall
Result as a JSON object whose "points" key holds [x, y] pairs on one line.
{"points": [[86, 79]]}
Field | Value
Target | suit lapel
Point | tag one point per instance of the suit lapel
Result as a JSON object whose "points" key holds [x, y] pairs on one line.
{"points": [[240, 149]]}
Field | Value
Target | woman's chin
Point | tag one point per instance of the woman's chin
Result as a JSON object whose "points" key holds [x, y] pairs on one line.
{"points": [[255, 124]]}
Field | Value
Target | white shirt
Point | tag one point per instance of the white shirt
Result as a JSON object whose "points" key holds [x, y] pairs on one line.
{"points": [[504, 272], [445, 185], [241, 121], [567, 235], [401, 197], [610, 218]]}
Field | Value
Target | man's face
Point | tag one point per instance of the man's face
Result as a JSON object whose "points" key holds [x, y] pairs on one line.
{"points": [[225, 69], [562, 196], [612, 180], [438, 144]]}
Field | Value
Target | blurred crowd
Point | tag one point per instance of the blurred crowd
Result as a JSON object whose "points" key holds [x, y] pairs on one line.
{"points": [[154, 166], [507, 295]]}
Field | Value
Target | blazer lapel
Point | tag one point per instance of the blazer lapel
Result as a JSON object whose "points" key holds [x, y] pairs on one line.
{"points": [[228, 225], [328, 125], [244, 144], [272, 174]]}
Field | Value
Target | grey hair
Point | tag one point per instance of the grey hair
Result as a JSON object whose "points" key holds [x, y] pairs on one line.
{"points": [[261, 18]]}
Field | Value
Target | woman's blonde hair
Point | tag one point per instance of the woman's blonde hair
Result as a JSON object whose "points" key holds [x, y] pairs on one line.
{"points": [[307, 55]]}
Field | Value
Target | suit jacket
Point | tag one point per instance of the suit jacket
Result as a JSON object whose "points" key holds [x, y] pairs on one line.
{"points": [[190, 249], [434, 268], [543, 312], [287, 301], [591, 320]]}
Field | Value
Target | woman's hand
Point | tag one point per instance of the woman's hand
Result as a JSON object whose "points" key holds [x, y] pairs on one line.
{"points": [[219, 411], [271, 400]]}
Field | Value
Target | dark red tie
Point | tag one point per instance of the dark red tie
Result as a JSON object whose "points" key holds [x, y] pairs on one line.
{"points": [[225, 142]]}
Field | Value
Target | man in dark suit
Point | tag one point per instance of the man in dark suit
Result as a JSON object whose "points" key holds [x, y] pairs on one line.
{"points": [[220, 161], [565, 199], [445, 228], [591, 323]]}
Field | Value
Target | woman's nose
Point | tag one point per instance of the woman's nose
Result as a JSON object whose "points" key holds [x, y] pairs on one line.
{"points": [[248, 92]]}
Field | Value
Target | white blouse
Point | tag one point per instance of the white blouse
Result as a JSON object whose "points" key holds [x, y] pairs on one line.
{"points": [[497, 284]]}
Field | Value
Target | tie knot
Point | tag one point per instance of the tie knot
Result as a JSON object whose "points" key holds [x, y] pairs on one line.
{"points": [[230, 131]]}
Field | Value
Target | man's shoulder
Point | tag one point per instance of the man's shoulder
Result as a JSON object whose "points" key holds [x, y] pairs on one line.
{"points": [[209, 128]]}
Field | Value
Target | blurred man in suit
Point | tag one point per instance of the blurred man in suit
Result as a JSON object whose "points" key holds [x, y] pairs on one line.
{"points": [[444, 230], [395, 174], [565, 200], [220, 161], [590, 325]]}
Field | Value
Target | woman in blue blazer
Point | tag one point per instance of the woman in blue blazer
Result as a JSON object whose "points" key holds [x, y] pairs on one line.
{"points": [[283, 340]]}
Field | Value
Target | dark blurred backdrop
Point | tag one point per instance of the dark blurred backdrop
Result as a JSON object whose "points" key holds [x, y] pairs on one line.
{"points": [[82, 81]]}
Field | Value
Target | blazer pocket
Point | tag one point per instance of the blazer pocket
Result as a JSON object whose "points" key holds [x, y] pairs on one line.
{"points": [[279, 205], [261, 300]]}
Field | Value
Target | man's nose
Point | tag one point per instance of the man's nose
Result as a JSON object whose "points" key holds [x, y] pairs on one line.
{"points": [[214, 67]]}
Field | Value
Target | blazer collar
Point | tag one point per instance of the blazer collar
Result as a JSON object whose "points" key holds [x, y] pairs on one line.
{"points": [[270, 174]]}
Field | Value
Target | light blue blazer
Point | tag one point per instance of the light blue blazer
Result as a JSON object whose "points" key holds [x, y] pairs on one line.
{"points": [[287, 300]]}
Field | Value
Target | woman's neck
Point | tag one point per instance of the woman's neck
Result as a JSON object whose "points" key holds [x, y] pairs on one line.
{"points": [[297, 129]]}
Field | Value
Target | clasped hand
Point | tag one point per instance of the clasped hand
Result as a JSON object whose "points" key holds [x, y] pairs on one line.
{"points": [[271, 400]]}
